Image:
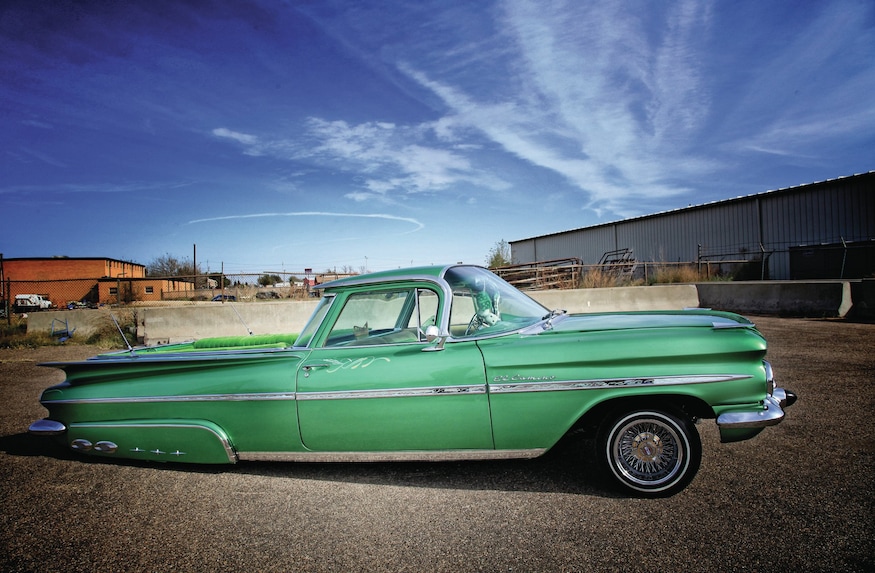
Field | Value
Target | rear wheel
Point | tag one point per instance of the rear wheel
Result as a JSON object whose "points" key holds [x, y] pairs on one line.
{"points": [[652, 453]]}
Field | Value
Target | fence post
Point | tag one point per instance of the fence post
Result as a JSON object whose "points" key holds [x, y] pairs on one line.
{"points": [[762, 262]]}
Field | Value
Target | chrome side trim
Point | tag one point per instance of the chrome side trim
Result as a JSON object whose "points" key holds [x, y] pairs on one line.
{"points": [[394, 393], [500, 385], [726, 325], [399, 456], [46, 427], [291, 396], [207, 355], [508, 386], [191, 398]]}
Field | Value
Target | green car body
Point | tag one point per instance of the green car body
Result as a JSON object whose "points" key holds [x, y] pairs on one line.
{"points": [[432, 363]]}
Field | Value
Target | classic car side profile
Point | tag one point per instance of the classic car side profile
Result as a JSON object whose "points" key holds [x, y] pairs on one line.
{"points": [[431, 363]]}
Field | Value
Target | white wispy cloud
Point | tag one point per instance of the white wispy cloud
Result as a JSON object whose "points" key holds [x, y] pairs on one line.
{"points": [[800, 114], [126, 187], [393, 158], [385, 158], [593, 99], [416, 224], [26, 153], [251, 142], [626, 105]]}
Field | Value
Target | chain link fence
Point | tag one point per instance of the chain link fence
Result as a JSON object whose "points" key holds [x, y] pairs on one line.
{"points": [[839, 260], [18, 297], [623, 271], [616, 268]]}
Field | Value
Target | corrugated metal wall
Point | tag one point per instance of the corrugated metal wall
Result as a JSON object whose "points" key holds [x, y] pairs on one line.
{"points": [[827, 212]]}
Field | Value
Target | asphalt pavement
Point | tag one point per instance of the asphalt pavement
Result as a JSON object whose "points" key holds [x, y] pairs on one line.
{"points": [[796, 497]]}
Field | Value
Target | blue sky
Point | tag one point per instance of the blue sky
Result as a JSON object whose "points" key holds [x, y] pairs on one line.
{"points": [[278, 136]]}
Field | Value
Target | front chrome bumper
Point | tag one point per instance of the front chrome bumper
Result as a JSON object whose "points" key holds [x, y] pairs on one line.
{"points": [[772, 412]]}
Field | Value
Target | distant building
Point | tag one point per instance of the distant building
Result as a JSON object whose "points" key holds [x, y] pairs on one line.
{"points": [[91, 280], [819, 230]]}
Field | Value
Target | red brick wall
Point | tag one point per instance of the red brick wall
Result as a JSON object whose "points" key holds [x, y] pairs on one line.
{"points": [[57, 269], [138, 290]]}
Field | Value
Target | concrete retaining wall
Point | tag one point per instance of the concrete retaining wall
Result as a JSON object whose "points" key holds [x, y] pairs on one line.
{"points": [[657, 297], [783, 298], [83, 323], [863, 294], [168, 324]]}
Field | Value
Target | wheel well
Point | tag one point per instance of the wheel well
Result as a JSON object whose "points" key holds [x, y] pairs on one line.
{"points": [[686, 407]]}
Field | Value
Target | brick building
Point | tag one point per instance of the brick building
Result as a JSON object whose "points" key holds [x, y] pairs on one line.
{"points": [[93, 280]]}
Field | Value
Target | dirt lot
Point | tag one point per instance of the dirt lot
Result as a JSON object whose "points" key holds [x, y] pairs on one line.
{"points": [[796, 497]]}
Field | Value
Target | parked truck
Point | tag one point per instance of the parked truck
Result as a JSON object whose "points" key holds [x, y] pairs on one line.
{"points": [[30, 303]]}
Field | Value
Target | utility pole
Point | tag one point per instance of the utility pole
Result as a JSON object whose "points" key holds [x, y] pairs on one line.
{"points": [[194, 264]]}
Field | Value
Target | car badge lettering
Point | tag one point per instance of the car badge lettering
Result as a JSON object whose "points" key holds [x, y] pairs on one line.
{"points": [[630, 382], [504, 379]]}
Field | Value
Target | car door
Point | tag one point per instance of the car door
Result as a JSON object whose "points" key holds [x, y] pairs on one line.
{"points": [[370, 386]]}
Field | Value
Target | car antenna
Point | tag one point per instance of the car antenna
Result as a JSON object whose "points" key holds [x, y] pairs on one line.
{"points": [[120, 331], [234, 308]]}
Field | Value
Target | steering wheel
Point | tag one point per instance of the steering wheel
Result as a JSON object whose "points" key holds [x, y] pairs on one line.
{"points": [[474, 325], [481, 319]]}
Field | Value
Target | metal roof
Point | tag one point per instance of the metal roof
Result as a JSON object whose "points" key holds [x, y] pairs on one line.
{"points": [[702, 205]]}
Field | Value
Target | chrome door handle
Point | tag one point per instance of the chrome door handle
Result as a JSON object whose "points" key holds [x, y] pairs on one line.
{"points": [[307, 368]]}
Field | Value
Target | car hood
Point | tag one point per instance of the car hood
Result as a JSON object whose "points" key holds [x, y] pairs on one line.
{"points": [[647, 320]]}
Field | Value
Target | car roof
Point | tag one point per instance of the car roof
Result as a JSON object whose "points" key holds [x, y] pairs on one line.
{"points": [[434, 271]]}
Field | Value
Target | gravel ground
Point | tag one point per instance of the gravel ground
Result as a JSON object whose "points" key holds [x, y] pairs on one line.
{"points": [[795, 497]]}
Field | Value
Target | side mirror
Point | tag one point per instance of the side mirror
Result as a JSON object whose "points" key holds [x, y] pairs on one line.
{"points": [[432, 333]]}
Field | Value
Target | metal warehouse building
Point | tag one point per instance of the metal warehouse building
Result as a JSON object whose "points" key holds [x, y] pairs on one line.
{"points": [[819, 230]]}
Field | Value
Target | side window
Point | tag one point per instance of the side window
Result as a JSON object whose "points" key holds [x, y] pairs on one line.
{"points": [[462, 312], [376, 317], [426, 311]]}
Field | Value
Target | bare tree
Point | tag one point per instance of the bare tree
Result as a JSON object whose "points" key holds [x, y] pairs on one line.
{"points": [[170, 266], [499, 255]]}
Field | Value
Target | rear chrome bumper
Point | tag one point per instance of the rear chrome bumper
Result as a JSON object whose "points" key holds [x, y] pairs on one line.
{"points": [[772, 412], [47, 427]]}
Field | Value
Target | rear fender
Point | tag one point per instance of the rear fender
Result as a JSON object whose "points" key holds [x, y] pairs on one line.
{"points": [[172, 440]]}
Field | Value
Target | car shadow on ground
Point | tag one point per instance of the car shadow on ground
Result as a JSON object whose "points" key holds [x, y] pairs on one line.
{"points": [[570, 468]]}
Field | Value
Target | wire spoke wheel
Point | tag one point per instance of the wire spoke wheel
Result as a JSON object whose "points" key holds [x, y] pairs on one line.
{"points": [[647, 452], [652, 453]]}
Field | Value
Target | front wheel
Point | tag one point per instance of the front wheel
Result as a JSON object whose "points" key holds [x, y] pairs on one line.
{"points": [[650, 452]]}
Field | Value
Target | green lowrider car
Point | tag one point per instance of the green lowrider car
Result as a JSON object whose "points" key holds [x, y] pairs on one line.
{"points": [[432, 363]]}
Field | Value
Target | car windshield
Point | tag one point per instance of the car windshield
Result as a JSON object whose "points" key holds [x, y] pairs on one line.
{"points": [[484, 304], [314, 322]]}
